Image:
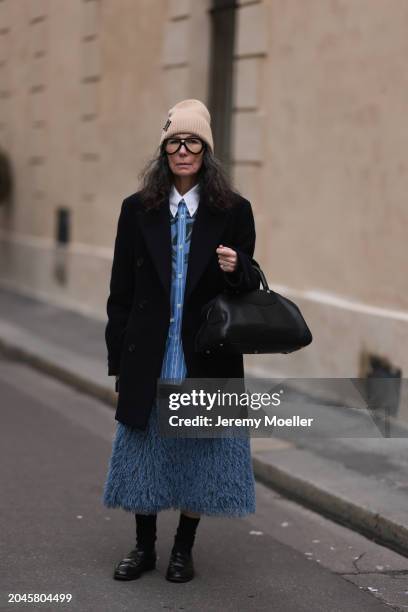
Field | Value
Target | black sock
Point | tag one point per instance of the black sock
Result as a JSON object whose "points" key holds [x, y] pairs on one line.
{"points": [[184, 538], [146, 531]]}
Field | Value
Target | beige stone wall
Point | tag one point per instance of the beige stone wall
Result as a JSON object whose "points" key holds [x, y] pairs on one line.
{"points": [[319, 143], [331, 188], [84, 112]]}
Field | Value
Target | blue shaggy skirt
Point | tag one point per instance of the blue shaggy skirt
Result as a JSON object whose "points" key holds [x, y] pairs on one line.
{"points": [[148, 473]]}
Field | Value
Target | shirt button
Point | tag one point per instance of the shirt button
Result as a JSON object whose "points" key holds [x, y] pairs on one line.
{"points": [[171, 320], [178, 305], [180, 275], [181, 246]]}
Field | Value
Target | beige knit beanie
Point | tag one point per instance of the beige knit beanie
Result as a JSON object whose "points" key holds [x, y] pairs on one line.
{"points": [[189, 116]]}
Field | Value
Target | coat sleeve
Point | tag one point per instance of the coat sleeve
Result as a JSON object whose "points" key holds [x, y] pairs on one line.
{"points": [[121, 290], [244, 278]]}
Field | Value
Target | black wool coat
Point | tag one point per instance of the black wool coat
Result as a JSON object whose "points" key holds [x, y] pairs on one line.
{"points": [[138, 306]]}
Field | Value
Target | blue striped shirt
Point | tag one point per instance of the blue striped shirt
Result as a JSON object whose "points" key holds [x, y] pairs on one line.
{"points": [[174, 366]]}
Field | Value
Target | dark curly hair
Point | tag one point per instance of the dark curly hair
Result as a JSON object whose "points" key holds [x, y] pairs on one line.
{"points": [[157, 179]]}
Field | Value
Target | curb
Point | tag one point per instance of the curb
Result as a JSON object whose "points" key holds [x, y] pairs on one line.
{"points": [[64, 374], [371, 524]]}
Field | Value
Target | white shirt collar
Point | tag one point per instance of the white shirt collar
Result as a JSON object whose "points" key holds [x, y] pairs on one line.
{"points": [[191, 198]]}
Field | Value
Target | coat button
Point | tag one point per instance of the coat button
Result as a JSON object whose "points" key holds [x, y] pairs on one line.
{"points": [[142, 303], [132, 347], [139, 261]]}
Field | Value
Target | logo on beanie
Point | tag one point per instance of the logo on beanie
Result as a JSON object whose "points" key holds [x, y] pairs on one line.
{"points": [[166, 127]]}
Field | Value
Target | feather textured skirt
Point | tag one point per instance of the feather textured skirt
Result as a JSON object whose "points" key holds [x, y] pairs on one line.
{"points": [[148, 473]]}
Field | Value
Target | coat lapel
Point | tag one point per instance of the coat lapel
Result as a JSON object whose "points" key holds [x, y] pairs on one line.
{"points": [[155, 226], [207, 229]]}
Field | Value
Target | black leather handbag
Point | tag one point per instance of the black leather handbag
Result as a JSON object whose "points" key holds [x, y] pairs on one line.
{"points": [[260, 321]]}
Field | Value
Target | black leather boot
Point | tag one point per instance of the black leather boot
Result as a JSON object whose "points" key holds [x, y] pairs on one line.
{"points": [[181, 566], [134, 564], [143, 557]]}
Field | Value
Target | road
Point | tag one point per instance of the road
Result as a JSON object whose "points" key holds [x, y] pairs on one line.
{"points": [[57, 537]]}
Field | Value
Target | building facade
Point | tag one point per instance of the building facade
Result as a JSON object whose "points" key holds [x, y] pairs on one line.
{"points": [[308, 101]]}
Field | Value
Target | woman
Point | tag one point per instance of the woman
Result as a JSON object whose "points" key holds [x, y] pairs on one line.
{"points": [[185, 237]]}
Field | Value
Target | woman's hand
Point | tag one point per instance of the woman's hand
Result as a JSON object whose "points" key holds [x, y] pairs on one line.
{"points": [[227, 258]]}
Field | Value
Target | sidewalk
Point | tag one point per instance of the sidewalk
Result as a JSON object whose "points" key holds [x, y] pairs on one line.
{"points": [[361, 482]]}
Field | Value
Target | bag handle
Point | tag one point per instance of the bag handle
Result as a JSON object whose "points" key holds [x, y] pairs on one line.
{"points": [[263, 277]]}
